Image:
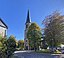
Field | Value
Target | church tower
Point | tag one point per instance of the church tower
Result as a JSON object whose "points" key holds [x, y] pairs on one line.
{"points": [[27, 24]]}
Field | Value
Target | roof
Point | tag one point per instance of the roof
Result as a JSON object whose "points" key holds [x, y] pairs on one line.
{"points": [[28, 18], [3, 23]]}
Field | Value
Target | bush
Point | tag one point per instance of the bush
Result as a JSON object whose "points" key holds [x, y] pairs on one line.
{"points": [[20, 45], [11, 46], [18, 49], [3, 47], [7, 47]]}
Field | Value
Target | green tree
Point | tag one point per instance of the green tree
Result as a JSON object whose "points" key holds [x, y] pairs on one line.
{"points": [[21, 44], [54, 29], [3, 47], [11, 46], [7, 46], [34, 36]]}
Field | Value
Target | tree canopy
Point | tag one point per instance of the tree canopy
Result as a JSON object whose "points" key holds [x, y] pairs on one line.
{"points": [[54, 29], [11, 45], [34, 35], [21, 44]]}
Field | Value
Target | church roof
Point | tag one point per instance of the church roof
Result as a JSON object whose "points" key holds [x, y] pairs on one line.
{"points": [[3, 23], [28, 18]]}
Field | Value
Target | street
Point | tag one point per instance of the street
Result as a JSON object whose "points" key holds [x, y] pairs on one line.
{"points": [[24, 54]]}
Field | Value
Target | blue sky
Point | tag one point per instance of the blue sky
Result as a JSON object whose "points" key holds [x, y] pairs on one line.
{"points": [[14, 13]]}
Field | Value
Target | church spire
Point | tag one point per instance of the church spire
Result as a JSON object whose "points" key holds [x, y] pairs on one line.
{"points": [[28, 18]]}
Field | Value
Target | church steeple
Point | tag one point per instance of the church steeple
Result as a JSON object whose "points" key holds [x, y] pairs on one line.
{"points": [[27, 24], [28, 18]]}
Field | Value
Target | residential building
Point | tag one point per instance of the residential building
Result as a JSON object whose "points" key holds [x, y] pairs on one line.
{"points": [[3, 28]]}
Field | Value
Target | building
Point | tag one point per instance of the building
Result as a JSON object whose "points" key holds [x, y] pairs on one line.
{"points": [[27, 24], [3, 28]]}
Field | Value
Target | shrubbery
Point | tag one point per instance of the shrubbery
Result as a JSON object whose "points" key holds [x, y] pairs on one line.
{"points": [[7, 47], [21, 44]]}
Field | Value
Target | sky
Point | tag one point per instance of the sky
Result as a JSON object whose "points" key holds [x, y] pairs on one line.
{"points": [[14, 13]]}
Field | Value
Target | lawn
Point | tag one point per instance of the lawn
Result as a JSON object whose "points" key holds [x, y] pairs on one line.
{"points": [[44, 51], [48, 51]]}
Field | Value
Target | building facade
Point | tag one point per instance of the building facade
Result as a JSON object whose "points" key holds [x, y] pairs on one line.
{"points": [[3, 28], [27, 24]]}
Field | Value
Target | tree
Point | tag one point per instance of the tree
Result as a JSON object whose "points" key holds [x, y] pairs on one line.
{"points": [[21, 44], [7, 46], [34, 36], [54, 29], [3, 47], [11, 46]]}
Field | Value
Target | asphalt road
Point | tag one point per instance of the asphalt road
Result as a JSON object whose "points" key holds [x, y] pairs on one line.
{"points": [[34, 55]]}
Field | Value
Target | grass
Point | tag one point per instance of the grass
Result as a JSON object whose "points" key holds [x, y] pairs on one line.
{"points": [[43, 51], [48, 51]]}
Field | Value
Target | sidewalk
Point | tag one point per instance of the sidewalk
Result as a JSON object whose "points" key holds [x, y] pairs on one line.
{"points": [[23, 51]]}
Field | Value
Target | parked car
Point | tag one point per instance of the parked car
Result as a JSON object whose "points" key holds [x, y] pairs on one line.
{"points": [[62, 51]]}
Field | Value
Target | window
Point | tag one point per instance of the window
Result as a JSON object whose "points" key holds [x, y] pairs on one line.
{"points": [[5, 32]]}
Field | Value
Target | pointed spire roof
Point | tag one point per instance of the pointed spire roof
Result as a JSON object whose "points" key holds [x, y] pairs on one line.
{"points": [[28, 18]]}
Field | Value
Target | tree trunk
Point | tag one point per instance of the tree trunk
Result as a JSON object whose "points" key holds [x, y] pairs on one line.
{"points": [[34, 46]]}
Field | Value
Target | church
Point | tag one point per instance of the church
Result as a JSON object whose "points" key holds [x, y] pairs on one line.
{"points": [[3, 28], [27, 24]]}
